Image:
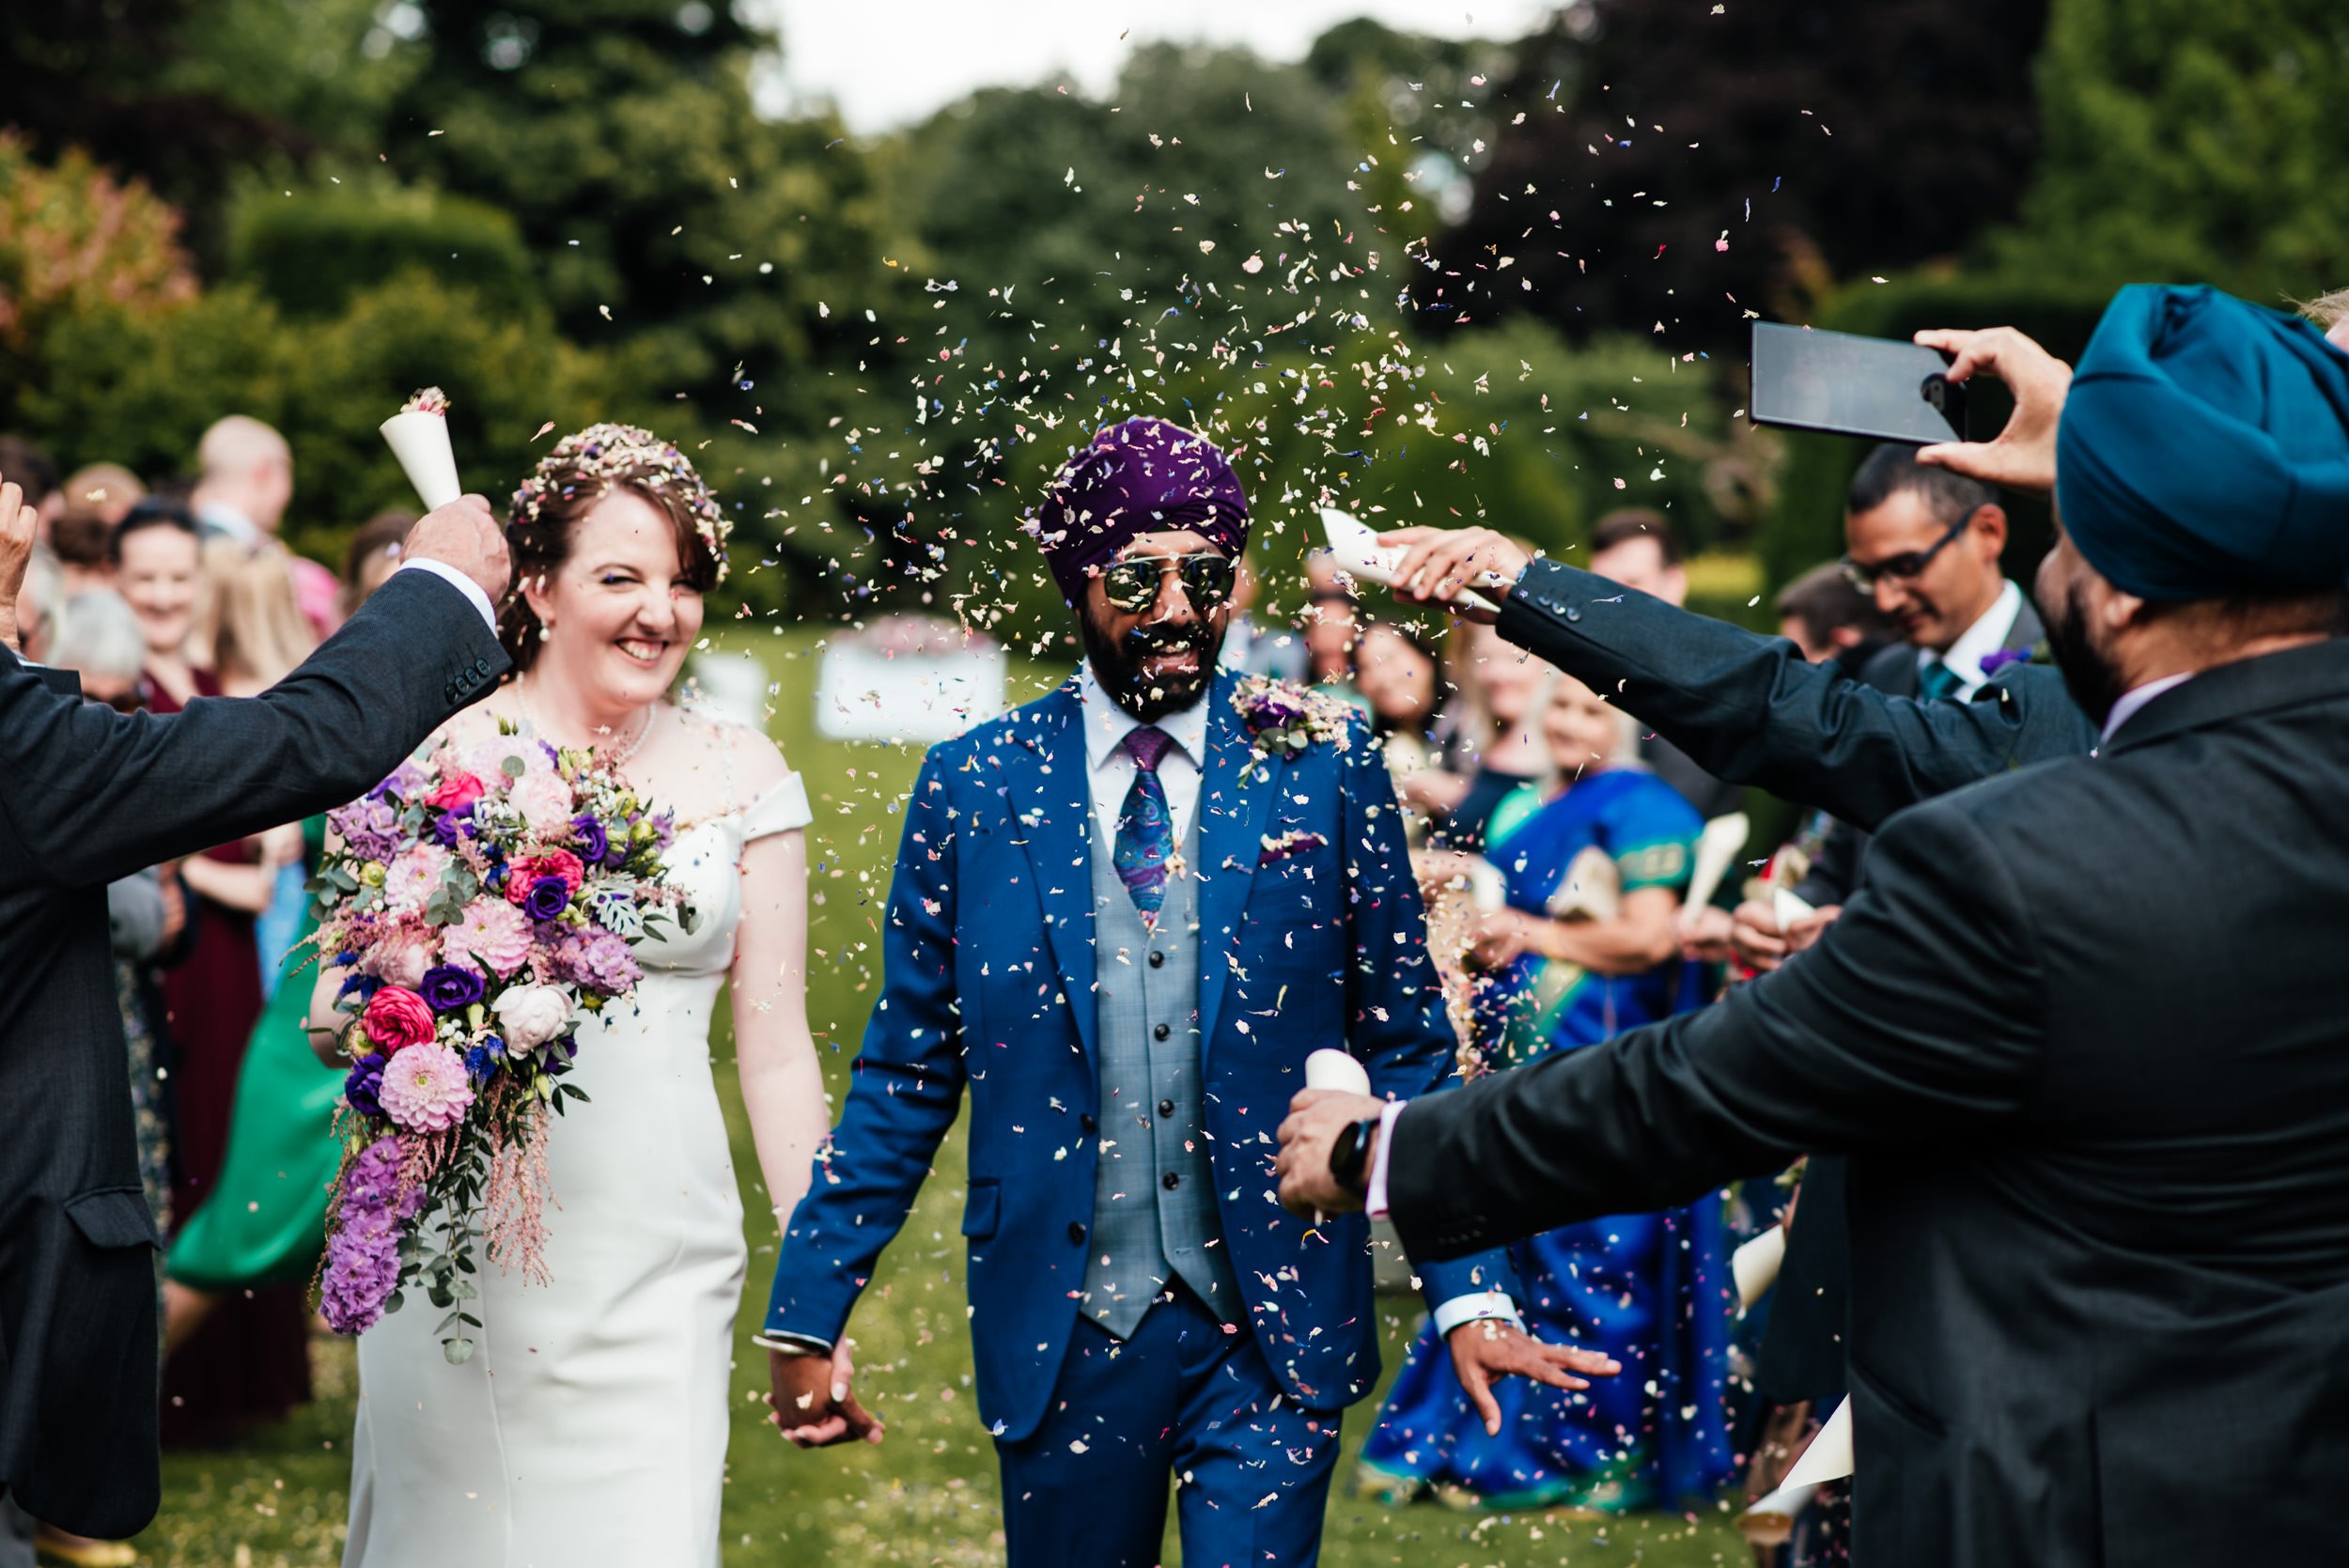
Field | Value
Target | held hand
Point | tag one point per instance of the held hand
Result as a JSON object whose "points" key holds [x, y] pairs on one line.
{"points": [[1756, 937], [2023, 455], [1806, 929], [1706, 934], [1487, 1349], [19, 525], [1315, 1118], [814, 1398], [1437, 563], [1496, 937], [464, 535]]}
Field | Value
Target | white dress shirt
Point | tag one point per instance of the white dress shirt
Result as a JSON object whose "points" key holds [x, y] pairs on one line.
{"points": [[2135, 699], [1986, 636], [464, 584]]}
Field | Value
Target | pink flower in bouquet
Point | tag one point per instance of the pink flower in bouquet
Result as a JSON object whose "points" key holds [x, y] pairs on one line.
{"points": [[398, 1017], [456, 788], [493, 933], [399, 958], [599, 961], [412, 876], [425, 1088], [531, 1015], [545, 801], [559, 863], [488, 757]]}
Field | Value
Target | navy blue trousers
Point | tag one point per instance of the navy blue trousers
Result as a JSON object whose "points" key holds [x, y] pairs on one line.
{"points": [[1185, 1400]]}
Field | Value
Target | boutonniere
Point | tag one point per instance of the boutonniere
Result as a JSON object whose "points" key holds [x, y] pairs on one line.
{"points": [[1999, 659], [1279, 846], [1284, 719]]}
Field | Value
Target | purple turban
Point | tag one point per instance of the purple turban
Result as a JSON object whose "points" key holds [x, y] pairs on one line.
{"points": [[1143, 477]]}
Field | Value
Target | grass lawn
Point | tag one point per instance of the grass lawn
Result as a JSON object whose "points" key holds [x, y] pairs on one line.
{"points": [[928, 1494]]}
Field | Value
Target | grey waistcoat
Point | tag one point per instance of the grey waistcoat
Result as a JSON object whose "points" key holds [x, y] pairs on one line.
{"points": [[1153, 1212]]}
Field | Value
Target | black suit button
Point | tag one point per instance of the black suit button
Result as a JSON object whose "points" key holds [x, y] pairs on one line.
{"points": [[1170, 1181], [1166, 1108], [1076, 1232], [1160, 1032], [1086, 1123], [481, 666], [1158, 960]]}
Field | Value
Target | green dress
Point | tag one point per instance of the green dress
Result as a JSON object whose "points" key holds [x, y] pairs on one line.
{"points": [[265, 1221]]}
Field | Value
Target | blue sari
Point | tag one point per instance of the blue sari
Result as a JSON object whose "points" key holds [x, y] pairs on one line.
{"points": [[1651, 1290]]}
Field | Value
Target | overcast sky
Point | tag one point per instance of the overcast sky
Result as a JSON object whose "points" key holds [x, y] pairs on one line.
{"points": [[886, 63]]}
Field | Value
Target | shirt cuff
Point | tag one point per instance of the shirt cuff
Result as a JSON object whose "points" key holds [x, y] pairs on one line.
{"points": [[464, 584], [1375, 1196], [805, 1344], [1468, 1309]]}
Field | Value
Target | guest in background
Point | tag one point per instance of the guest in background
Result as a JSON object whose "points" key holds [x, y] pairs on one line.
{"points": [[1827, 616], [38, 602], [1332, 622], [264, 1223], [1593, 857], [1495, 743], [1396, 670], [249, 1360], [1248, 646], [108, 490], [1638, 549], [159, 568], [82, 540], [245, 484]]}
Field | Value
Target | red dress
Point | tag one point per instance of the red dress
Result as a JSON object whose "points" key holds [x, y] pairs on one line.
{"points": [[250, 1361]]}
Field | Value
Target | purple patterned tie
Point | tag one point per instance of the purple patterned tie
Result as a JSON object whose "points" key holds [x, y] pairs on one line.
{"points": [[1146, 829]]}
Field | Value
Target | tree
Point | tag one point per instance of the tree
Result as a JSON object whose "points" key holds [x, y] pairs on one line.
{"points": [[1679, 162]]}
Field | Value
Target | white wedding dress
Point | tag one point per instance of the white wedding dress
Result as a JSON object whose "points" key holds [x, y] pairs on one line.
{"points": [[589, 1426]]}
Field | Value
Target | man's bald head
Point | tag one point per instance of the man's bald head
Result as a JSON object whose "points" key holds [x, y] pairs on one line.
{"points": [[245, 464]]}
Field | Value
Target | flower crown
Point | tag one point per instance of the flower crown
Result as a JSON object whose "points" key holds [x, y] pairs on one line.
{"points": [[604, 454]]}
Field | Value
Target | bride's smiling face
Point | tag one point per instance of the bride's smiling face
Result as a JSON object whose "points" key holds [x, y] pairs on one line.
{"points": [[619, 614]]}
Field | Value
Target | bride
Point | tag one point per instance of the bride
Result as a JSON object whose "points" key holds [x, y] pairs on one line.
{"points": [[589, 1425]]}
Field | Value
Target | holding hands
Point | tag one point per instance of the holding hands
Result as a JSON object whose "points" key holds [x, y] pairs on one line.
{"points": [[815, 1399]]}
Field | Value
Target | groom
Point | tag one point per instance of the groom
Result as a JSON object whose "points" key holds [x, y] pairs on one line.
{"points": [[1122, 917]]}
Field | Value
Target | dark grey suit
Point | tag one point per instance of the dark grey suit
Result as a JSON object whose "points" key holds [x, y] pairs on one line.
{"points": [[87, 795], [2085, 1038], [1749, 710]]}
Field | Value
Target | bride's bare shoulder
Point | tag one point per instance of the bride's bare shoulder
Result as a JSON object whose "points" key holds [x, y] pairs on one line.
{"points": [[752, 763]]}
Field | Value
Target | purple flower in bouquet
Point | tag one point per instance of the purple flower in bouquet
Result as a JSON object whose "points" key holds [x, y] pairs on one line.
{"points": [[362, 1253], [404, 781], [365, 1082], [452, 988], [451, 826], [547, 898], [593, 841], [599, 961], [370, 826], [483, 1061]]}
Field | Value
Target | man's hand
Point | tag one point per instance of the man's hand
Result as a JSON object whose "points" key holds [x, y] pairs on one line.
{"points": [[1803, 930], [1437, 563], [464, 535], [19, 526], [1756, 936], [1487, 1349], [2023, 455], [1498, 937], [814, 1398], [1705, 934], [1315, 1118]]}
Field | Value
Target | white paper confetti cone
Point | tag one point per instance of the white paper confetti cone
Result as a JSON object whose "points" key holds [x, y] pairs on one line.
{"points": [[420, 441], [1354, 545], [1771, 1522], [1717, 850], [1755, 1265], [1830, 1455], [1336, 1069]]}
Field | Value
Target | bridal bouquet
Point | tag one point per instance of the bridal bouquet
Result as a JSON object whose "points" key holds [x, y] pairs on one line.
{"points": [[483, 902]]}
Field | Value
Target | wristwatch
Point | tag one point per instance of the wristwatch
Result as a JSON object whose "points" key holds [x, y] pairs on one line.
{"points": [[1351, 1154]]}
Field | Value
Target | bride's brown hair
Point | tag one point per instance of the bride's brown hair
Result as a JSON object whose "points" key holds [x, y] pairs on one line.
{"points": [[580, 471]]}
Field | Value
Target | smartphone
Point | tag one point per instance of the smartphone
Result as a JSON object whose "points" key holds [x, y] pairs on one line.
{"points": [[1847, 385]]}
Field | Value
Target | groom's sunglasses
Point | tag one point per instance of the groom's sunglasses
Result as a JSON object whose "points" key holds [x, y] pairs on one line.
{"points": [[1133, 586]]}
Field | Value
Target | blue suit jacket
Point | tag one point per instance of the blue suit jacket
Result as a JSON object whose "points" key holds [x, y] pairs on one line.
{"points": [[988, 986]]}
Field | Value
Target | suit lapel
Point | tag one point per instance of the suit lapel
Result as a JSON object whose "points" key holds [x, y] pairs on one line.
{"points": [[1048, 791], [1232, 817]]}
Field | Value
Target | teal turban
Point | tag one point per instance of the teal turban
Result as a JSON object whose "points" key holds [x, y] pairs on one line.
{"points": [[2204, 449]]}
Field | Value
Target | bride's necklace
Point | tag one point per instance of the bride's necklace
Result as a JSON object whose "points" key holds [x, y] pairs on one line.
{"points": [[614, 758]]}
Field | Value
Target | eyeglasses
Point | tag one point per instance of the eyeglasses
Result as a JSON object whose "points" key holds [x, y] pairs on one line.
{"points": [[1132, 585], [1901, 567]]}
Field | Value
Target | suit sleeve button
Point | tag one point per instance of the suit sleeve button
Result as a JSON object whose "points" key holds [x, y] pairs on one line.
{"points": [[1077, 1232]]}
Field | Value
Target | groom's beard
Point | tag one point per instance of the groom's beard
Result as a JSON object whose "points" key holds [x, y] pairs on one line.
{"points": [[1117, 663]]}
